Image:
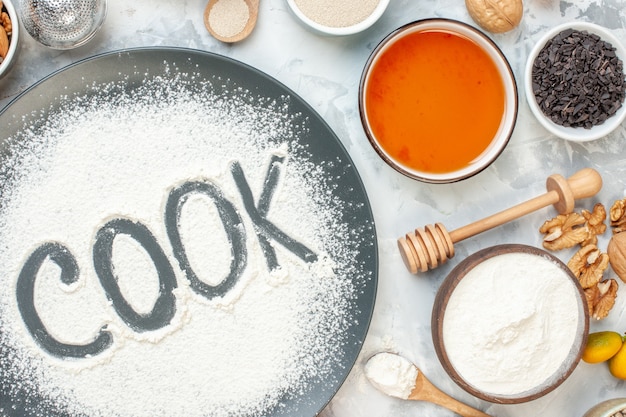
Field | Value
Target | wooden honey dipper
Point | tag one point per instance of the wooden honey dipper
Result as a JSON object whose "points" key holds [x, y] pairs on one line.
{"points": [[430, 246]]}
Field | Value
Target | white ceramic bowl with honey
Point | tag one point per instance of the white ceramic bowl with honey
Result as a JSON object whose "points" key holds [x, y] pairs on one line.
{"points": [[14, 39], [438, 100], [324, 26], [575, 134], [510, 323]]}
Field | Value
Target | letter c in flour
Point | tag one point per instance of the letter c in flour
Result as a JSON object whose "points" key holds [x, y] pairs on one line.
{"points": [[60, 255]]}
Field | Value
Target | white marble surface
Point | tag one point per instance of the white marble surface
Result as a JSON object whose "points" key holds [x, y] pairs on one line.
{"points": [[325, 72]]}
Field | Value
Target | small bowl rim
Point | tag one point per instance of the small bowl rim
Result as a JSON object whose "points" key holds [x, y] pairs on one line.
{"points": [[15, 36], [606, 408], [577, 134], [509, 119], [344, 30], [447, 288]]}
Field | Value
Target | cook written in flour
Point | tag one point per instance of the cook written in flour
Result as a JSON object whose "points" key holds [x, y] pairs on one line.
{"points": [[165, 305], [149, 274]]}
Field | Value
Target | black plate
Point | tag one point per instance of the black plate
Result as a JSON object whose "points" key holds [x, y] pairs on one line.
{"points": [[323, 149]]}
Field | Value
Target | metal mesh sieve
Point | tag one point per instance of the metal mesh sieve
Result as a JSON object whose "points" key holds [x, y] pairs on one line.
{"points": [[62, 24]]}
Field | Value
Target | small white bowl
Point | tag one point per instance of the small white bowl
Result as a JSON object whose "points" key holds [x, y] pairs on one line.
{"points": [[576, 134], [11, 57], [339, 31]]}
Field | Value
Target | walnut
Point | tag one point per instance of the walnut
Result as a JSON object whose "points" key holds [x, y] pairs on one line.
{"points": [[588, 265], [617, 244], [564, 231], [617, 215], [601, 298], [595, 224], [497, 16], [617, 254], [5, 21], [6, 28], [4, 43]]}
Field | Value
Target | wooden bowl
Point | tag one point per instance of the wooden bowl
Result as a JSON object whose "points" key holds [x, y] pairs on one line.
{"points": [[500, 337]]}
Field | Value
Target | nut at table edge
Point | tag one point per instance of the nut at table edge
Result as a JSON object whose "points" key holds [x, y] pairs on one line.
{"points": [[4, 42], [617, 254], [496, 16], [617, 245]]}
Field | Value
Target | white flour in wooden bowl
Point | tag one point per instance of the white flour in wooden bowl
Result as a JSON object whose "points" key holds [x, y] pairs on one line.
{"points": [[513, 324], [117, 156]]}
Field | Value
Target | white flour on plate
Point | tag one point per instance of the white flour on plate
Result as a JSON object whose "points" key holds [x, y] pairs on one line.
{"points": [[241, 353]]}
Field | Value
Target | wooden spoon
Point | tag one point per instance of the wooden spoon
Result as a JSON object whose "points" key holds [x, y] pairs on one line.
{"points": [[253, 13], [390, 373]]}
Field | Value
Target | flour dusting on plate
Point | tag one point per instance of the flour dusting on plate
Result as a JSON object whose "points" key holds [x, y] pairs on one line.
{"points": [[168, 249]]}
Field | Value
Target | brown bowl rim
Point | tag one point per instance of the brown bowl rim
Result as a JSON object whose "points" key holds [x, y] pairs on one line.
{"points": [[443, 295], [371, 137]]}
